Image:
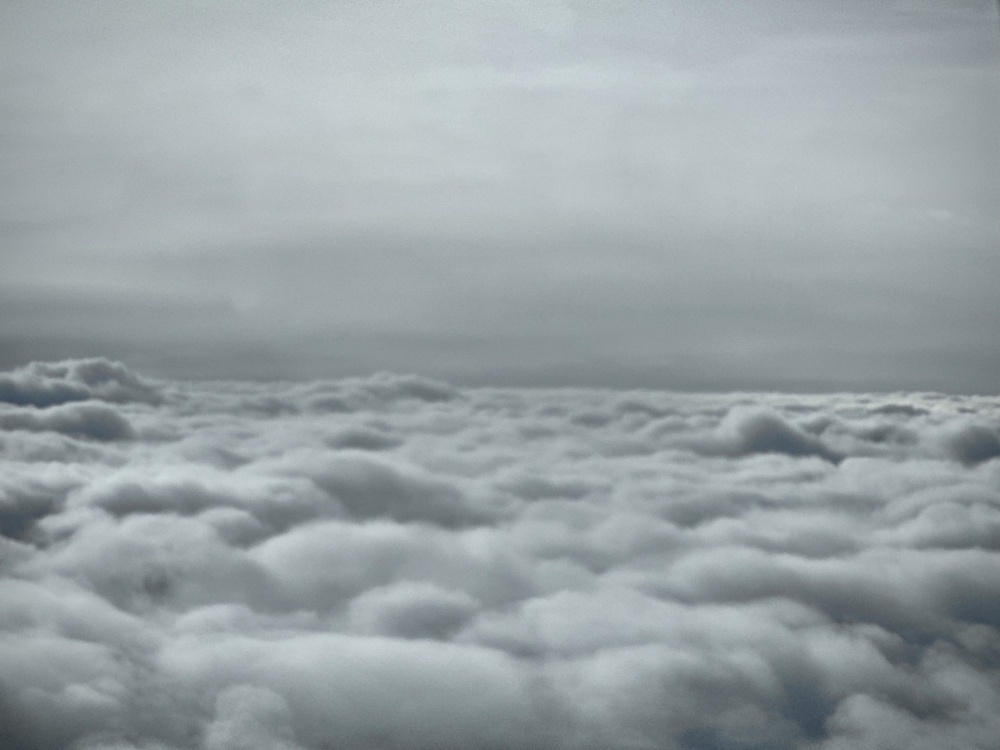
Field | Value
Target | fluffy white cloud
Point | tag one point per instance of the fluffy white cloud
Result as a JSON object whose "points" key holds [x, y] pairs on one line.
{"points": [[395, 563]]}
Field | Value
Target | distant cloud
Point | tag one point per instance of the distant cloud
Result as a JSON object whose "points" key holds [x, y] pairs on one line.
{"points": [[45, 384], [391, 562], [94, 421]]}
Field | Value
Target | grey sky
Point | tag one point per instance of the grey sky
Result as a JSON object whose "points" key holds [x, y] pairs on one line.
{"points": [[779, 194]]}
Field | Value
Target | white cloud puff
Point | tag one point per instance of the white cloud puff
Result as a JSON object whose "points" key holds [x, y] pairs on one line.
{"points": [[392, 562]]}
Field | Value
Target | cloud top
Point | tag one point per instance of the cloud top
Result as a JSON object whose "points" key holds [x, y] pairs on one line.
{"points": [[391, 562], [50, 383]]}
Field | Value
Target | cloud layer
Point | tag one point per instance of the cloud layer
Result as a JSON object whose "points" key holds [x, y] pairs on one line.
{"points": [[390, 562]]}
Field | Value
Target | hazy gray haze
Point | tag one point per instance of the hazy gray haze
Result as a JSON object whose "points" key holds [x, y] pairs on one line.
{"points": [[782, 194]]}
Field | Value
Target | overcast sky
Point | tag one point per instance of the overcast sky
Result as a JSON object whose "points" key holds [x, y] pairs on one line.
{"points": [[781, 194]]}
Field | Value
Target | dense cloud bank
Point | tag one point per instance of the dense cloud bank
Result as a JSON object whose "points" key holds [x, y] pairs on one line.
{"points": [[394, 563]]}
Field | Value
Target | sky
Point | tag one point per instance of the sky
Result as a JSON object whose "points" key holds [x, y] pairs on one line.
{"points": [[391, 562], [771, 194]]}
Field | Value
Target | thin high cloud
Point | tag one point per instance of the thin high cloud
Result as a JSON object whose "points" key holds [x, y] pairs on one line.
{"points": [[393, 562]]}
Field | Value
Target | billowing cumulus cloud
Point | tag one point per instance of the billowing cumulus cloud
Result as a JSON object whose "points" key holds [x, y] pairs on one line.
{"points": [[391, 562], [44, 384], [93, 421]]}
